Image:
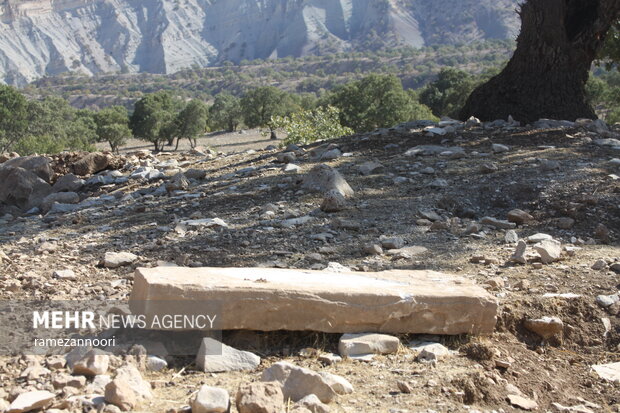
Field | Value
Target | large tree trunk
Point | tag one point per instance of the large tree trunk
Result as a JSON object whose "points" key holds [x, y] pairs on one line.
{"points": [[546, 76]]}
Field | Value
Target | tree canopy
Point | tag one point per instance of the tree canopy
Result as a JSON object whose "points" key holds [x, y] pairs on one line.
{"points": [[153, 119]]}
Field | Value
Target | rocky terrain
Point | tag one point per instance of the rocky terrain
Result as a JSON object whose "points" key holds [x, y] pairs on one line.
{"points": [[44, 37], [531, 213]]}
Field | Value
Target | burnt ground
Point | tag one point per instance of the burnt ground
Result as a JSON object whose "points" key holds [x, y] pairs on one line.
{"points": [[551, 174]]}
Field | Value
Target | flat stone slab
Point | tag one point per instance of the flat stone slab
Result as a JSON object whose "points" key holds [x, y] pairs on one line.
{"points": [[268, 299]]}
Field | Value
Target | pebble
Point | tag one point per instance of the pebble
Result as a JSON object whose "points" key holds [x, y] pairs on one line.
{"points": [[522, 402], [607, 300], [313, 404], [154, 363], [499, 148], [330, 358], [599, 265]]}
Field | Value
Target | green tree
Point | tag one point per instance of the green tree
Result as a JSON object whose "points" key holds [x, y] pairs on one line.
{"points": [[153, 118], [225, 113], [260, 104], [311, 125], [191, 122], [13, 117], [373, 102], [113, 126], [446, 95]]}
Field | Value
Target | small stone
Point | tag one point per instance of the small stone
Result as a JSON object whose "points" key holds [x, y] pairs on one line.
{"points": [[154, 363], [519, 217], [338, 383], [511, 237], [291, 168], [607, 300], [497, 223], [601, 233], [599, 265], [118, 259], [127, 389], [211, 400], [312, 403], [65, 380], [545, 327], [615, 267], [499, 148], [539, 238], [369, 167], [260, 398], [31, 400], [392, 243], [503, 364], [214, 356], [93, 363], [286, 157], [549, 250], [330, 358], [565, 223], [522, 402], [298, 382], [537, 265], [609, 372], [519, 254], [429, 351], [64, 275], [334, 201], [373, 249], [404, 387], [352, 345], [496, 283]]}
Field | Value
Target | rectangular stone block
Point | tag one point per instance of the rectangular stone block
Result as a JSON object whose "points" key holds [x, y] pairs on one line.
{"points": [[268, 299]]}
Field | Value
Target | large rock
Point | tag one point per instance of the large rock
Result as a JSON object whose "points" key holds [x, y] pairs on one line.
{"points": [[38, 165], [211, 400], [31, 400], [260, 398], [545, 327], [22, 188], [91, 163], [549, 250], [271, 299], [298, 382], [324, 178], [214, 357]]}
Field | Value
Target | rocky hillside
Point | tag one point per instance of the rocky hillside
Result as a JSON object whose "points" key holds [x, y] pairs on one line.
{"points": [[530, 213], [45, 37]]}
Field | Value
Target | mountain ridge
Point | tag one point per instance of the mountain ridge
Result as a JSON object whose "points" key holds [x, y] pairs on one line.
{"points": [[49, 37]]}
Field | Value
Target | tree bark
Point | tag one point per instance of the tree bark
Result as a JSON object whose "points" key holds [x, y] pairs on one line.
{"points": [[546, 76]]}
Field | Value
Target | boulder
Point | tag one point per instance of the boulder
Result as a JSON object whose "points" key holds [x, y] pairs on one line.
{"points": [[260, 398], [215, 357], [22, 188], [91, 163], [38, 165], [269, 299], [298, 382], [211, 400], [323, 178]]}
